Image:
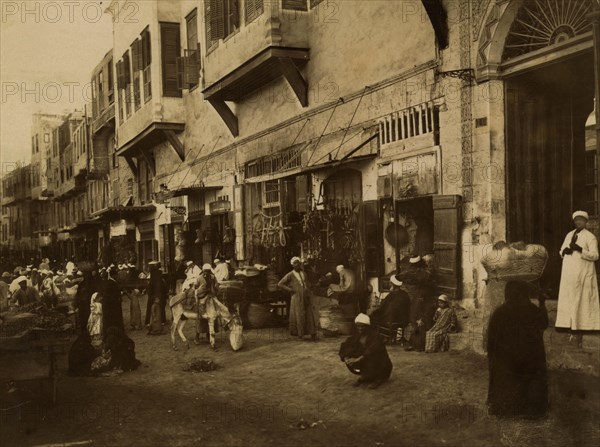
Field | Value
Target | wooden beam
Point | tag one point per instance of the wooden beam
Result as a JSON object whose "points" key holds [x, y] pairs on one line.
{"points": [[226, 115], [132, 165], [295, 79], [148, 161], [175, 143]]}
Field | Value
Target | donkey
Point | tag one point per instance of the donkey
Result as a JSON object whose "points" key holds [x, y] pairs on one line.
{"points": [[210, 309]]}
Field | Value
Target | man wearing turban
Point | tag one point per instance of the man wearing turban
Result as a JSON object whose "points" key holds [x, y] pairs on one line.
{"points": [[578, 305]]}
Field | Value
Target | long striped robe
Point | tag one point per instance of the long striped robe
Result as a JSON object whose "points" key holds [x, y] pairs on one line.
{"points": [[436, 338]]}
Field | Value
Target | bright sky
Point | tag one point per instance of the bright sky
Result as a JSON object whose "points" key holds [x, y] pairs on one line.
{"points": [[48, 50]]}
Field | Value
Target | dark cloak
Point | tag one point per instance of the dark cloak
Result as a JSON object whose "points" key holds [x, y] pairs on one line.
{"points": [[394, 312], [518, 383], [112, 311], [376, 364], [157, 288]]}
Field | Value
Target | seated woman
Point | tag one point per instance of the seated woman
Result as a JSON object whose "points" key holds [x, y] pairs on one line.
{"points": [[436, 338], [118, 353], [365, 355]]}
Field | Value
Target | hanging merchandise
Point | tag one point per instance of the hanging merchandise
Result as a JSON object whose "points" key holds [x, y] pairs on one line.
{"points": [[269, 231], [333, 233]]}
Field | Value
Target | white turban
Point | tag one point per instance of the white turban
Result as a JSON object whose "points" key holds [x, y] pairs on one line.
{"points": [[395, 281], [207, 267], [362, 319], [583, 214], [295, 259], [443, 298]]}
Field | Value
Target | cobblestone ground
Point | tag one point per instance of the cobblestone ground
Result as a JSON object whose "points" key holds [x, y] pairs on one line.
{"points": [[261, 394]]}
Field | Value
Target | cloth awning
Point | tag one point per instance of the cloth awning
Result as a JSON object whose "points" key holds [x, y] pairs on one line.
{"points": [[185, 191], [122, 212]]}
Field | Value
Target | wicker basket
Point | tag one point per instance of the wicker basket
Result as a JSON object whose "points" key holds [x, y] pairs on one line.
{"points": [[509, 263]]}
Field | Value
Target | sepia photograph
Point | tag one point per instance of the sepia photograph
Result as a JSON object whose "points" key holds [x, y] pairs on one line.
{"points": [[303, 223]]}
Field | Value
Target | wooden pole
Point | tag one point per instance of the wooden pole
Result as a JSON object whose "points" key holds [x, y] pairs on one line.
{"points": [[594, 17]]}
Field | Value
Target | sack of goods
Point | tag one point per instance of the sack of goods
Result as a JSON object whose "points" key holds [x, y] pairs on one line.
{"points": [[232, 291], [516, 261], [236, 338]]}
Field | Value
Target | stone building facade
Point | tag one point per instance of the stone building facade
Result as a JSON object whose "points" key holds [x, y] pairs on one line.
{"points": [[355, 132]]}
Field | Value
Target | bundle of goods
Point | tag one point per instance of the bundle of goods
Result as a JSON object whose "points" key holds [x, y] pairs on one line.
{"points": [[232, 292], [516, 261], [333, 322], [254, 282], [34, 317]]}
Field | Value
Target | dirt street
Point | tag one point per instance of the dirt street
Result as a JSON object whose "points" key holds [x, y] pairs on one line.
{"points": [[261, 394]]}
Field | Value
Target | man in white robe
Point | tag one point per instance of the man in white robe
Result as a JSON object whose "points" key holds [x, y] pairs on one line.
{"points": [[578, 302], [221, 271], [192, 274]]}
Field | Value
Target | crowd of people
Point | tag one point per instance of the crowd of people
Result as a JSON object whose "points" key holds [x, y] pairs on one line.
{"points": [[408, 314]]}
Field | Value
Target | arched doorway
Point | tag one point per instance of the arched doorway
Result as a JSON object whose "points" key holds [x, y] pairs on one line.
{"points": [[542, 51]]}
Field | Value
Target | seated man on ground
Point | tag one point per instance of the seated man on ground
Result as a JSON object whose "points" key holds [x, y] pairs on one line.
{"points": [[365, 355]]}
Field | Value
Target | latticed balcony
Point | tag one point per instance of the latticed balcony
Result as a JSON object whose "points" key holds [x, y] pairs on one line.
{"points": [[273, 42]]}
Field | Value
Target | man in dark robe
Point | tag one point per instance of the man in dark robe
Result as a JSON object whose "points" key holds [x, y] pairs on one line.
{"points": [[157, 289], [517, 360], [393, 313], [112, 311], [365, 355]]}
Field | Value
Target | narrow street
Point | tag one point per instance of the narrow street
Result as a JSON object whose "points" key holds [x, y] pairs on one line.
{"points": [[259, 396]]}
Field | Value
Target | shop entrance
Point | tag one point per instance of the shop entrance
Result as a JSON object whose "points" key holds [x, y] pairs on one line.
{"points": [[548, 173]]}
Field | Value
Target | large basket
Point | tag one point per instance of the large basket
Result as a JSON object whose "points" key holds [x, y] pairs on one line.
{"points": [[259, 315], [508, 263]]}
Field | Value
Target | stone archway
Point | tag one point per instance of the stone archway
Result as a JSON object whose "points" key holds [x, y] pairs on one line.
{"points": [[532, 49], [560, 20]]}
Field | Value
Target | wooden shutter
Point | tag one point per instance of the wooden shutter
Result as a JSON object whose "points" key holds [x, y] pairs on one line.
{"points": [[207, 22], [447, 218], [192, 30], [136, 55], [126, 69], [254, 8], [302, 182], [146, 49], [191, 69], [120, 78], [296, 5], [217, 20], [314, 3], [170, 51], [373, 238]]}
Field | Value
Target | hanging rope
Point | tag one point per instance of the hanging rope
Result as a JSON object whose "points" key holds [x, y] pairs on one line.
{"points": [[351, 120], [207, 158], [296, 152], [324, 129], [186, 174]]}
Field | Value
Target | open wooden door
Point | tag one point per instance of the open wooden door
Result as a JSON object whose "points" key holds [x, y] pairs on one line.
{"points": [[447, 218]]}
